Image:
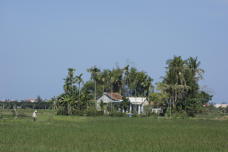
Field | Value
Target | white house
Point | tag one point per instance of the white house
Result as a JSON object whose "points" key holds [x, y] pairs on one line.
{"points": [[109, 98], [137, 104]]}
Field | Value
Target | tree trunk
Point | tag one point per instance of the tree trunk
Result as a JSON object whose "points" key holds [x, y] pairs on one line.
{"points": [[95, 90], [79, 91]]}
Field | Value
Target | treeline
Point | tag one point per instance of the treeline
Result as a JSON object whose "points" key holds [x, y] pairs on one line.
{"points": [[127, 81], [25, 105], [178, 92]]}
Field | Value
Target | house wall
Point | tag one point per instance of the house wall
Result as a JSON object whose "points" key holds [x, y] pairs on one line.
{"points": [[105, 100]]}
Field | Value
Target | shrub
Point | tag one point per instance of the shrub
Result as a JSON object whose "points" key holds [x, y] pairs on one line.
{"points": [[62, 110], [92, 111], [77, 112], [117, 114], [180, 115]]}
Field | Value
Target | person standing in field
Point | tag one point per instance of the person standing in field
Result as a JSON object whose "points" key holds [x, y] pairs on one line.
{"points": [[34, 115]]}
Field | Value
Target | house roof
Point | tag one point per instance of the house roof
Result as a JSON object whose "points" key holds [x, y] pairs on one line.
{"points": [[114, 96]]}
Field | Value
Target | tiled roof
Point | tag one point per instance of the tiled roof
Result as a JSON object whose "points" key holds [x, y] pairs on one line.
{"points": [[114, 96]]}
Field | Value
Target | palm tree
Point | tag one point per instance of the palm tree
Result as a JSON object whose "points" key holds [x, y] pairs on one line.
{"points": [[175, 80], [193, 65], [132, 81], [94, 76], [193, 74], [148, 85], [103, 80], [126, 79], [117, 76], [79, 81], [70, 80]]}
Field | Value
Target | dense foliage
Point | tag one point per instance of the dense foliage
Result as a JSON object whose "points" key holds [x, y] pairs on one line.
{"points": [[178, 92], [181, 85], [25, 105], [127, 81]]}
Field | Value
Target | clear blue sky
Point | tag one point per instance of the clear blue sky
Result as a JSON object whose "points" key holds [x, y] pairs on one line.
{"points": [[39, 40]]}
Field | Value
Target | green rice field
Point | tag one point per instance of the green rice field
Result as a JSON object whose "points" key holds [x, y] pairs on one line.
{"points": [[51, 133]]}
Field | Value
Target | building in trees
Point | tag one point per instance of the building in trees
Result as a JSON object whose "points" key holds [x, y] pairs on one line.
{"points": [[108, 98], [117, 102], [137, 104]]}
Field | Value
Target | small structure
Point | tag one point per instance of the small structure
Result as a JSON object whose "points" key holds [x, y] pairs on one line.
{"points": [[157, 110], [30, 100], [221, 105], [137, 104], [108, 98]]}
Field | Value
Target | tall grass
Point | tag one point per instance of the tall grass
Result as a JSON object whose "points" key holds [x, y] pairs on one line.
{"points": [[52, 133]]}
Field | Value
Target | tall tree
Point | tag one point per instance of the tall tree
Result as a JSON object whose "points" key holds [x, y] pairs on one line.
{"points": [[94, 76], [79, 81], [175, 81], [181, 83], [116, 79], [105, 80], [70, 81], [193, 74], [139, 83], [125, 87]]}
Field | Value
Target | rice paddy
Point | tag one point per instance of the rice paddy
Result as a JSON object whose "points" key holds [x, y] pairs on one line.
{"points": [[51, 133]]}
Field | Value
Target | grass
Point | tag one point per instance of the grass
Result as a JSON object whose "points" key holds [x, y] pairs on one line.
{"points": [[51, 133]]}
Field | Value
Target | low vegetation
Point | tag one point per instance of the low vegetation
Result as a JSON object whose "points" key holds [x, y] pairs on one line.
{"points": [[111, 134]]}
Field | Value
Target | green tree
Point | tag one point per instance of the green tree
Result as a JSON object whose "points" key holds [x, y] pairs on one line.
{"points": [[174, 81], [158, 99], [116, 80], [94, 76], [181, 84], [70, 81], [79, 80], [137, 83], [67, 102]]}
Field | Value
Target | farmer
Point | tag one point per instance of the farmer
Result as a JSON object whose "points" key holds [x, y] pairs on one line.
{"points": [[34, 115]]}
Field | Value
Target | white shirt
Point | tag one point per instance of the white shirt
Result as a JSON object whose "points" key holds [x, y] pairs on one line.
{"points": [[34, 114]]}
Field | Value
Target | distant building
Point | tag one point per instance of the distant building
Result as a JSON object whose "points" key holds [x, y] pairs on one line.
{"points": [[8, 100], [30, 100], [221, 105]]}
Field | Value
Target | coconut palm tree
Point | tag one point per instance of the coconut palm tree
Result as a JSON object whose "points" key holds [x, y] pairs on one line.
{"points": [[175, 80], [70, 80]]}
